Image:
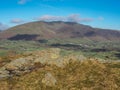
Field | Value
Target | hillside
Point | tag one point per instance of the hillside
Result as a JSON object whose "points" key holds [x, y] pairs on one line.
{"points": [[62, 30], [49, 70]]}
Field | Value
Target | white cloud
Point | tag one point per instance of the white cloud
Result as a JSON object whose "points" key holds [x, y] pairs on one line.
{"points": [[3, 26], [70, 18], [73, 18], [17, 21], [51, 18], [77, 18], [23, 1]]}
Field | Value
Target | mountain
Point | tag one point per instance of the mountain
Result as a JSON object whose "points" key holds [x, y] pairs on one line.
{"points": [[58, 29]]}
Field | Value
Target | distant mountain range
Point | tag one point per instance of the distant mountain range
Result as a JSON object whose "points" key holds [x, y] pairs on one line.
{"points": [[58, 29]]}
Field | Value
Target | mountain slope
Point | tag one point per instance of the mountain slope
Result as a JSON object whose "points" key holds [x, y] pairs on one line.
{"points": [[48, 30]]}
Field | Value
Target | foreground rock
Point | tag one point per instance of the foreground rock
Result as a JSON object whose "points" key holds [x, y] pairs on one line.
{"points": [[49, 80], [28, 63], [4, 73]]}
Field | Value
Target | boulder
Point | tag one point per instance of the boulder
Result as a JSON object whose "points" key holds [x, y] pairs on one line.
{"points": [[4, 73], [49, 80]]}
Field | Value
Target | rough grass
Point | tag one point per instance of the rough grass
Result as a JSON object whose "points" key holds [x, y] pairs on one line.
{"points": [[7, 46], [90, 74], [85, 75]]}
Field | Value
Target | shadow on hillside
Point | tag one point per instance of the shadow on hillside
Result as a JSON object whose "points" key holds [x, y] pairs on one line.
{"points": [[67, 46], [117, 55], [24, 37], [100, 50]]}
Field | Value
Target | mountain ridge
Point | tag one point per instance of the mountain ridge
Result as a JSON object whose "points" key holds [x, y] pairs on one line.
{"points": [[59, 29]]}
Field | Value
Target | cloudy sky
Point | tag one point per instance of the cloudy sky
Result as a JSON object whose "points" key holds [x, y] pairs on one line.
{"points": [[97, 13]]}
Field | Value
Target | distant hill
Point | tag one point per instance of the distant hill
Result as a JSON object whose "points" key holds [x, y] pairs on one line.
{"points": [[58, 29]]}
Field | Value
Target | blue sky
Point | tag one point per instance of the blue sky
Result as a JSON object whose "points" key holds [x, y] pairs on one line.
{"points": [[96, 13]]}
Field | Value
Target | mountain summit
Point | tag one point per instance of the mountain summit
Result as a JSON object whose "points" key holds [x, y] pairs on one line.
{"points": [[58, 29]]}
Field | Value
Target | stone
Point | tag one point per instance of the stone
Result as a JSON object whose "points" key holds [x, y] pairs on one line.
{"points": [[4, 73], [49, 80]]}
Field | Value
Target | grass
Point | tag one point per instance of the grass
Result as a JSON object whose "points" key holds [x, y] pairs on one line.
{"points": [[90, 74], [86, 75], [7, 46], [18, 46]]}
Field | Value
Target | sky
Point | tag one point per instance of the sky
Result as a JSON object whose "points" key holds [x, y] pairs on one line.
{"points": [[96, 13]]}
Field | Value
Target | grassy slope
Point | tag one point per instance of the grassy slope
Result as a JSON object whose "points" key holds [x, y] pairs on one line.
{"points": [[90, 74], [7, 47]]}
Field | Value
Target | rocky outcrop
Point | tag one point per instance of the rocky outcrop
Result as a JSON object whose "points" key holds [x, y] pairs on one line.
{"points": [[28, 63], [49, 70]]}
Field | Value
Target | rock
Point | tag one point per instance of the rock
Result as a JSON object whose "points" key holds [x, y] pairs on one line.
{"points": [[44, 57], [4, 73], [16, 67], [49, 80], [17, 64]]}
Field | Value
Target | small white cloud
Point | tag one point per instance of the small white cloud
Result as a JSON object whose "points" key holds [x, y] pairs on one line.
{"points": [[86, 19], [70, 18], [74, 18], [3, 26], [51, 18], [17, 21], [77, 18], [23, 1]]}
